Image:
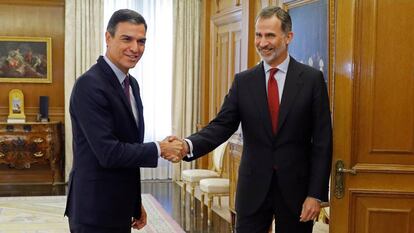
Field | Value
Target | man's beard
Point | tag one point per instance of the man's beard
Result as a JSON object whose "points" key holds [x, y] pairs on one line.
{"points": [[267, 58], [276, 52]]}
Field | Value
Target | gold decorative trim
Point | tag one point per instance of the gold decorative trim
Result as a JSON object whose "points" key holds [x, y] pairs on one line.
{"points": [[38, 154], [38, 140], [16, 104]]}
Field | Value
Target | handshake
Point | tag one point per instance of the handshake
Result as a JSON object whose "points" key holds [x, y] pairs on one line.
{"points": [[173, 149]]}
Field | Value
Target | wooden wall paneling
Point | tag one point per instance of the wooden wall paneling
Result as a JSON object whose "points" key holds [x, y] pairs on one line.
{"points": [[382, 212], [222, 27], [221, 68], [343, 111], [265, 3], [386, 129], [235, 56], [234, 25], [374, 116], [39, 18], [225, 30], [231, 33], [224, 5], [208, 99], [33, 2], [205, 75], [331, 50], [251, 9]]}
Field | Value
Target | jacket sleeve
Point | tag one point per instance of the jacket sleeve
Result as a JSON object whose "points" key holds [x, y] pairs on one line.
{"points": [[321, 156], [221, 127]]}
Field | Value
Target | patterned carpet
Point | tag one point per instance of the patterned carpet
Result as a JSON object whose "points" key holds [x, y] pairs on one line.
{"points": [[45, 215]]}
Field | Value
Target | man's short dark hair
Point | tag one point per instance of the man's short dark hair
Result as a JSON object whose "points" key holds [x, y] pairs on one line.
{"points": [[124, 15], [281, 14]]}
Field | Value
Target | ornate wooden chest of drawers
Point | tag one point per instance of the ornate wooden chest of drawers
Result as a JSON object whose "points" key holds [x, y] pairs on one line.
{"points": [[25, 144]]}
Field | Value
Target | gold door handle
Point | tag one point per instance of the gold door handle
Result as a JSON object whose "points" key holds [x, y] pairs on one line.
{"points": [[38, 154], [344, 170], [339, 178]]}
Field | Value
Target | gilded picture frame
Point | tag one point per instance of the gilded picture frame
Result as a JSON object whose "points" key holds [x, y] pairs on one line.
{"points": [[25, 59], [16, 107]]}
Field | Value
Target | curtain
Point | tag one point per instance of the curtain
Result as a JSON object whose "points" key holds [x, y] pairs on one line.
{"points": [[83, 45], [153, 73], [186, 72]]}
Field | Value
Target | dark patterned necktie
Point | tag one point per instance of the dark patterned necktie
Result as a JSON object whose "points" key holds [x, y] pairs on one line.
{"points": [[126, 89]]}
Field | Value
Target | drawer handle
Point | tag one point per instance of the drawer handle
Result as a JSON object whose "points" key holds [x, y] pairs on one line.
{"points": [[38, 154], [38, 140], [2, 155]]}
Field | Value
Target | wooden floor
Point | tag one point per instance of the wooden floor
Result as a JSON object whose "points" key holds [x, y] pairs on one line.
{"points": [[167, 193]]}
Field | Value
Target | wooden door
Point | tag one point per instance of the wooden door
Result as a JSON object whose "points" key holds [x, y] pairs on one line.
{"points": [[226, 54], [373, 117], [226, 59]]}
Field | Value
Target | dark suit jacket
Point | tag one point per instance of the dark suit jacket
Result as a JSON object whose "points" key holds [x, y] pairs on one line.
{"points": [[301, 150], [108, 149]]}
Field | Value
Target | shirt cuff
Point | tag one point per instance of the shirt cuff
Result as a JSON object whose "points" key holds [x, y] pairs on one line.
{"points": [[320, 201], [190, 149], [158, 148]]}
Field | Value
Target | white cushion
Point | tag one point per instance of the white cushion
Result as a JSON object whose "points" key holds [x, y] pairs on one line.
{"points": [[215, 185], [195, 175]]}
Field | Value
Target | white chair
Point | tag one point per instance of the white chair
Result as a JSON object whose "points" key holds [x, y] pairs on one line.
{"points": [[192, 177], [213, 187]]}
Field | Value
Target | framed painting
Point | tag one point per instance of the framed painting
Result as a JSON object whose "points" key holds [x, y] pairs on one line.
{"points": [[25, 59], [310, 44]]}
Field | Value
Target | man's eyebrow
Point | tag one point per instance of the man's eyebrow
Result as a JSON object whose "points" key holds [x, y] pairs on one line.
{"points": [[265, 33], [130, 37], [125, 36]]}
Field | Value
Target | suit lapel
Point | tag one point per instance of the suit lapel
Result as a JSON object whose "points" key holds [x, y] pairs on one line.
{"points": [[137, 96], [115, 84], [258, 88], [293, 84]]}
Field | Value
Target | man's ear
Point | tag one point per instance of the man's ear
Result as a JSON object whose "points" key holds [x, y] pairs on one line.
{"points": [[107, 37], [289, 37]]}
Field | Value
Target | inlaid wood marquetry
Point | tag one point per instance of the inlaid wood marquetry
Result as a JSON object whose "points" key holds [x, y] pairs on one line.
{"points": [[24, 145]]}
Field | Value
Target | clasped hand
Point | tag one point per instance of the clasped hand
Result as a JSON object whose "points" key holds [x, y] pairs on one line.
{"points": [[173, 149]]}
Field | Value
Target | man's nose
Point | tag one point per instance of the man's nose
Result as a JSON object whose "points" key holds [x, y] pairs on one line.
{"points": [[263, 42], [134, 47]]}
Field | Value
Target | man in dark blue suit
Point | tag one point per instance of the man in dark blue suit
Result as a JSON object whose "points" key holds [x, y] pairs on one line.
{"points": [[283, 109], [104, 192]]}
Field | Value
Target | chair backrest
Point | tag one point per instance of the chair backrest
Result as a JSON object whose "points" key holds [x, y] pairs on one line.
{"points": [[218, 157]]}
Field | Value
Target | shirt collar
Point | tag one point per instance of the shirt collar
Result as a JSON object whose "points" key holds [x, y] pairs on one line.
{"points": [[119, 74], [282, 66]]}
